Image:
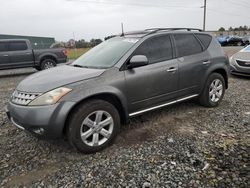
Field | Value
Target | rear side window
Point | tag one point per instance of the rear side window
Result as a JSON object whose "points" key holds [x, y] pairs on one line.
{"points": [[156, 49], [3, 46], [18, 45], [186, 44], [205, 39]]}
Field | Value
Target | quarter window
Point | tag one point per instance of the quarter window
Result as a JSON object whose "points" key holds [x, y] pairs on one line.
{"points": [[186, 44], [205, 39], [18, 45], [156, 49]]}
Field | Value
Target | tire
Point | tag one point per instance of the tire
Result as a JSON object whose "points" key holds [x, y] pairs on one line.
{"points": [[239, 43], [47, 64], [38, 68], [212, 96], [88, 113]]}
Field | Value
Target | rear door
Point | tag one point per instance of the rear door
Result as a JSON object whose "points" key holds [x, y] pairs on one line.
{"points": [[157, 82], [4, 55], [20, 54], [194, 60]]}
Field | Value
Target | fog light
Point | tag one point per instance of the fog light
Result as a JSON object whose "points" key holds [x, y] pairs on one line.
{"points": [[39, 131]]}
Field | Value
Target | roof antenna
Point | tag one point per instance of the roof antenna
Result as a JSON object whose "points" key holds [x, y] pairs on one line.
{"points": [[122, 30]]}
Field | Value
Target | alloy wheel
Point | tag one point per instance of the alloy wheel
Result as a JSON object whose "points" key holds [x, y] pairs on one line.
{"points": [[97, 128], [48, 65], [216, 90]]}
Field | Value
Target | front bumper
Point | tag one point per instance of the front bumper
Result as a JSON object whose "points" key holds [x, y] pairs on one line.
{"points": [[46, 121], [235, 70]]}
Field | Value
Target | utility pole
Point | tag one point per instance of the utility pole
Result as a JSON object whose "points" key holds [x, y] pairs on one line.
{"points": [[75, 51], [204, 17]]}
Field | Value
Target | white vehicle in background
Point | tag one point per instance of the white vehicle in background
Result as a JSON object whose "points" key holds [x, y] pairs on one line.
{"points": [[240, 62]]}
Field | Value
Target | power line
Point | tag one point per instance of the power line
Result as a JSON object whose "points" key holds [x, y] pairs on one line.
{"points": [[112, 2], [238, 3], [133, 4], [228, 13]]}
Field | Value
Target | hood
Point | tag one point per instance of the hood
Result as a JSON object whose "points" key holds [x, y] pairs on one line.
{"points": [[56, 77], [242, 56]]}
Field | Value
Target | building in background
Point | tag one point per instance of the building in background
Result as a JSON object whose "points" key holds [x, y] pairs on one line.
{"points": [[36, 42]]}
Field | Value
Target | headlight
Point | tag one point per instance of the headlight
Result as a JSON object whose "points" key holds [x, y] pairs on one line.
{"points": [[50, 97], [232, 61]]}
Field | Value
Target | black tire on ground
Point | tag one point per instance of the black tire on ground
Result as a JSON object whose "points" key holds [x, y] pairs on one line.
{"points": [[47, 63], [239, 43], [204, 98], [74, 127], [38, 68]]}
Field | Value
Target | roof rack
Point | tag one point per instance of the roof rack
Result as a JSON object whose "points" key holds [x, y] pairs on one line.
{"points": [[141, 32], [154, 30], [174, 29]]}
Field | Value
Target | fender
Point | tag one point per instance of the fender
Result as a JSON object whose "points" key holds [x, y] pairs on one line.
{"points": [[41, 56], [79, 95], [215, 68]]}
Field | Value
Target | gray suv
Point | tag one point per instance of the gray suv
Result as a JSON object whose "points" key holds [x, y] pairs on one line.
{"points": [[122, 77]]}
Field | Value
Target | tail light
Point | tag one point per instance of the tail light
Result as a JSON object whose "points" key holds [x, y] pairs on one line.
{"points": [[65, 52]]}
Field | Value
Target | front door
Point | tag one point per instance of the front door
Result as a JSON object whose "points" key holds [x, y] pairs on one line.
{"points": [[157, 82]]}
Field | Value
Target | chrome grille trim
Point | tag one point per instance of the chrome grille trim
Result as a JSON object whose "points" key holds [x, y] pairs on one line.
{"points": [[243, 63], [23, 98]]}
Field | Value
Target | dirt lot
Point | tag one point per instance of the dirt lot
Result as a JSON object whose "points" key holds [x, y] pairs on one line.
{"points": [[184, 145]]}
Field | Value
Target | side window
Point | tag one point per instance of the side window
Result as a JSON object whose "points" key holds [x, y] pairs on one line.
{"points": [[156, 49], [186, 44], [18, 45], [205, 39], [3, 46]]}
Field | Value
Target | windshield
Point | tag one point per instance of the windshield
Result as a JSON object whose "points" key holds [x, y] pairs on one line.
{"points": [[106, 54]]}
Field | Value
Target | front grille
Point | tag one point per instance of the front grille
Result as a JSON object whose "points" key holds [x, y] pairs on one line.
{"points": [[243, 63], [23, 98]]}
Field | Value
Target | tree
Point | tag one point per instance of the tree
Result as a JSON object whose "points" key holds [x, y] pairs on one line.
{"points": [[222, 29], [230, 29], [94, 42], [245, 28]]}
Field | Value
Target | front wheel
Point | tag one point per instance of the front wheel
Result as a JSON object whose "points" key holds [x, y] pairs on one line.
{"points": [[93, 126], [213, 91]]}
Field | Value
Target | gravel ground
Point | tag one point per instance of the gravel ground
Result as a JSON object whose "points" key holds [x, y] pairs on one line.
{"points": [[184, 145]]}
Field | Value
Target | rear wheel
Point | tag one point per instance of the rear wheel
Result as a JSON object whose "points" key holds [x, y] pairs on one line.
{"points": [[38, 68], [93, 126], [47, 64], [213, 91]]}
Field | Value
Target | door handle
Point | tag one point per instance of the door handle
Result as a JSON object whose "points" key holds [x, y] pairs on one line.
{"points": [[6, 55], [172, 69], [206, 62], [28, 53]]}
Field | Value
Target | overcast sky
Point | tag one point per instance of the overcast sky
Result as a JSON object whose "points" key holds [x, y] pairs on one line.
{"points": [[99, 18]]}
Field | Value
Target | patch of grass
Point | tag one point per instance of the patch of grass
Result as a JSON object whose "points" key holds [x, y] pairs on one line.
{"points": [[75, 53]]}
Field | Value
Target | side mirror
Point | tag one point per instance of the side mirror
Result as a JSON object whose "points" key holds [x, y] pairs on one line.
{"points": [[137, 61]]}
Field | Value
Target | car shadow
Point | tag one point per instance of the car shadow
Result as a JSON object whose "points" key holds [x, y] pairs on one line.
{"points": [[240, 77]]}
